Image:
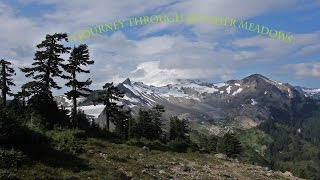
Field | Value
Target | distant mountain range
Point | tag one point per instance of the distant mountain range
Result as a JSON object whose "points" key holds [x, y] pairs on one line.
{"points": [[313, 93], [243, 103]]}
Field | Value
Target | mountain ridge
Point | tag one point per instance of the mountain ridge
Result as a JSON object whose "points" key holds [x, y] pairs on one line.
{"points": [[246, 102]]}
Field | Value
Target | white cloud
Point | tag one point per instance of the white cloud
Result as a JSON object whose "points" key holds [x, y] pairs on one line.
{"points": [[267, 49], [158, 58], [239, 10], [304, 70], [153, 74]]}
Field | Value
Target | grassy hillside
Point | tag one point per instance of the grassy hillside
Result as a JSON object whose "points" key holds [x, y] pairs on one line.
{"points": [[71, 154]]}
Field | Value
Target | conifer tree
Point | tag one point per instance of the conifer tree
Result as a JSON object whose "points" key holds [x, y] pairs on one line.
{"points": [[48, 63], [178, 129], [156, 115], [121, 123], [79, 57], [133, 130], [6, 79], [108, 97], [24, 93], [230, 145], [145, 124]]}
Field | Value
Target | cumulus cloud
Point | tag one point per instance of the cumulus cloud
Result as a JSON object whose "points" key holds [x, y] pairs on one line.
{"points": [[304, 70], [153, 74], [142, 53], [266, 49], [174, 56]]}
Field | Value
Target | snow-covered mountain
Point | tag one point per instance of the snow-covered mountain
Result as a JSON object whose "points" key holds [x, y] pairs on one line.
{"points": [[91, 110], [246, 102], [309, 92]]}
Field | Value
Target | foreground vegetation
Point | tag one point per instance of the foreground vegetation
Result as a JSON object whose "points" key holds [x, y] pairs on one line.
{"points": [[73, 154]]}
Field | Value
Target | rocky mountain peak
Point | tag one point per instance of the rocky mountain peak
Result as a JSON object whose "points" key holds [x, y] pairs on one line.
{"points": [[255, 78], [188, 81], [127, 81]]}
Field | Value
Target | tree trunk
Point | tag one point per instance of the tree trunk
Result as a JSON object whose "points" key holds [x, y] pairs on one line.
{"points": [[107, 114], [47, 79], [74, 116], [4, 85], [75, 120]]}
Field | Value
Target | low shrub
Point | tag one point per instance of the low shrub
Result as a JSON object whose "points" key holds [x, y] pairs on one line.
{"points": [[178, 145], [12, 158], [68, 140]]}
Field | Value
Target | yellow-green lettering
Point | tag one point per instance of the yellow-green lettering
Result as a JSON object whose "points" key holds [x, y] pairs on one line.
{"points": [[257, 29], [146, 19], [154, 21], [264, 28], [115, 25], [122, 23], [251, 25], [290, 39], [282, 36], [73, 38], [130, 21], [242, 25], [108, 26], [232, 22], [170, 20], [101, 29], [275, 35]]}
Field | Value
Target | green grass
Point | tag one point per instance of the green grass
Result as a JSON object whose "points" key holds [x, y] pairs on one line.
{"points": [[71, 154], [256, 140]]}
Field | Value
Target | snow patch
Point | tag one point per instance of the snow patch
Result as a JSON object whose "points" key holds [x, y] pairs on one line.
{"points": [[237, 92], [220, 85], [200, 89], [253, 102], [229, 89], [290, 93], [131, 105], [130, 99], [311, 91], [92, 110]]}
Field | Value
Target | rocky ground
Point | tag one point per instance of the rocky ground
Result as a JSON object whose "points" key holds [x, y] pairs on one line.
{"points": [[137, 163], [103, 159]]}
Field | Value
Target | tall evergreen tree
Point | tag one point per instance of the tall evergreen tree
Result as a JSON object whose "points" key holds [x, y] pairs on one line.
{"points": [[79, 57], [230, 145], [145, 124], [156, 115], [48, 63], [133, 130], [178, 129], [121, 123], [108, 97], [6, 79], [23, 94]]}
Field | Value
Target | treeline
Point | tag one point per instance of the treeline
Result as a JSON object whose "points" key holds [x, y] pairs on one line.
{"points": [[147, 128], [292, 149], [35, 101], [33, 124], [34, 105]]}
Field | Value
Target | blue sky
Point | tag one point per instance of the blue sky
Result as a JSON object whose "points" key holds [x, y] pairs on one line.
{"points": [[158, 54]]}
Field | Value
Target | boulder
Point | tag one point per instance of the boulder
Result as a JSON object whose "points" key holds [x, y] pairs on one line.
{"points": [[221, 156]]}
